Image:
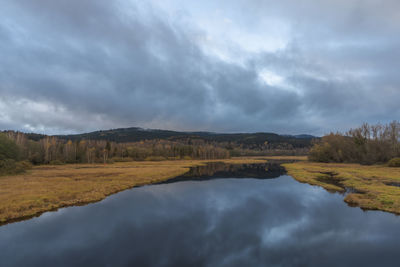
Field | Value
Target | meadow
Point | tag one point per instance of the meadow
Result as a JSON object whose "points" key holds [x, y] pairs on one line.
{"points": [[49, 187], [373, 187]]}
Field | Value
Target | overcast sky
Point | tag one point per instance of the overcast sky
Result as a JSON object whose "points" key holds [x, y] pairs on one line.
{"points": [[305, 66]]}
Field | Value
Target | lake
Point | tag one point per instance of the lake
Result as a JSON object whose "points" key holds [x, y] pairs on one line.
{"points": [[219, 215]]}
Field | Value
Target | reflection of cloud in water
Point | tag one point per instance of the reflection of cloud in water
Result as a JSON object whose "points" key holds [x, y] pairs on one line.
{"points": [[281, 233], [225, 222]]}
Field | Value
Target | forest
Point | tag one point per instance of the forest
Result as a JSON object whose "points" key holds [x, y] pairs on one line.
{"points": [[368, 144], [18, 151], [252, 141]]}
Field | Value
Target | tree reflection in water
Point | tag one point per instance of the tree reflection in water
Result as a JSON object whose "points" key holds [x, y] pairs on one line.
{"points": [[215, 170]]}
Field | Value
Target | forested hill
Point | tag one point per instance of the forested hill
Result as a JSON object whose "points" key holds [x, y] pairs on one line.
{"points": [[18, 150], [136, 134]]}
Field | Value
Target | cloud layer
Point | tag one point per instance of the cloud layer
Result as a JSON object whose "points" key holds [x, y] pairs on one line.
{"points": [[73, 66]]}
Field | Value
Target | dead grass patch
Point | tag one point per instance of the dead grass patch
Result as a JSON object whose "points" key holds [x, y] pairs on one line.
{"points": [[373, 187], [50, 187]]}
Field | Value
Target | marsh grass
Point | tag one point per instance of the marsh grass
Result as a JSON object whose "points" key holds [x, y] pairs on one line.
{"points": [[49, 187], [395, 163], [374, 187]]}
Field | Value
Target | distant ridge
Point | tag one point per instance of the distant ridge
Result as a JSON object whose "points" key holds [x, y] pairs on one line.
{"points": [[302, 136], [136, 134]]}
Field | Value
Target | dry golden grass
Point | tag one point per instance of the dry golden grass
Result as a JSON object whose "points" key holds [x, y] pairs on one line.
{"points": [[288, 158], [376, 187], [50, 187]]}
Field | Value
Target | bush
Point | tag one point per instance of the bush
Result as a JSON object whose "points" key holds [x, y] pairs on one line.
{"points": [[394, 162], [24, 164], [7, 166], [10, 166], [120, 159], [154, 158], [8, 148], [56, 162], [321, 153], [368, 144]]}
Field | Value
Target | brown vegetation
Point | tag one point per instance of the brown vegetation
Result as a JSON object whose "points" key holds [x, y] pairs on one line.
{"points": [[48, 187], [395, 162], [374, 187], [368, 144], [50, 149]]}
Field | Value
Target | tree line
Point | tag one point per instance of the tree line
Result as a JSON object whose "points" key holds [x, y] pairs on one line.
{"points": [[20, 150], [368, 144], [50, 149]]}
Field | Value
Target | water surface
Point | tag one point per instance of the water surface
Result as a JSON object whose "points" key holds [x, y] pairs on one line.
{"points": [[214, 222]]}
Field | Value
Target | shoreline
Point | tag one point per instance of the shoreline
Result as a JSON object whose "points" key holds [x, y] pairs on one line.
{"points": [[47, 188], [374, 187]]}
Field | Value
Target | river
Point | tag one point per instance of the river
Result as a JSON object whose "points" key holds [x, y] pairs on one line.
{"points": [[251, 215]]}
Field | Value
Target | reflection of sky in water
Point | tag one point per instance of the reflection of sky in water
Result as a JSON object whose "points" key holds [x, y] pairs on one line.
{"points": [[226, 222]]}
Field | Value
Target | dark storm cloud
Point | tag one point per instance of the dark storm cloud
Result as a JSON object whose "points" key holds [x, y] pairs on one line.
{"points": [[70, 66]]}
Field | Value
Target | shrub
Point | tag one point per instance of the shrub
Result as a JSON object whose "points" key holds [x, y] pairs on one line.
{"points": [[24, 164], [8, 148], [120, 159], [7, 166], [174, 158], [56, 162], [320, 153], [395, 162], [21, 166], [10, 166], [154, 158], [368, 144]]}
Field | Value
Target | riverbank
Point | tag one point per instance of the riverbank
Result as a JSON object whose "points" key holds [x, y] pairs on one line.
{"points": [[375, 187], [49, 187]]}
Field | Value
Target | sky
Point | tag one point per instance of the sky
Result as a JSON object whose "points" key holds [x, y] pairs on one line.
{"points": [[290, 67]]}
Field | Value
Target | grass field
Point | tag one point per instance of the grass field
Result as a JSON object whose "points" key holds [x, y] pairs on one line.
{"points": [[50, 187], [374, 187]]}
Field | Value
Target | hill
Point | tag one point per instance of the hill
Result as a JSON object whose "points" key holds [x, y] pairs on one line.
{"points": [[135, 134]]}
